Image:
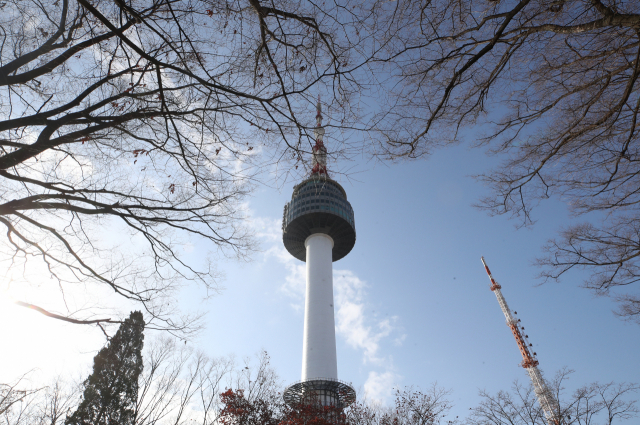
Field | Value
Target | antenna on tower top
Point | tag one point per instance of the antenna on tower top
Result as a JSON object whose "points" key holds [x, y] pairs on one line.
{"points": [[319, 150], [319, 113]]}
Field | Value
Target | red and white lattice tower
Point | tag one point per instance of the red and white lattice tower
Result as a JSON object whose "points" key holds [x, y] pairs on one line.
{"points": [[529, 361]]}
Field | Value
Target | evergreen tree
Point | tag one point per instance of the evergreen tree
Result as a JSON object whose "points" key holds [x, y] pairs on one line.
{"points": [[111, 391]]}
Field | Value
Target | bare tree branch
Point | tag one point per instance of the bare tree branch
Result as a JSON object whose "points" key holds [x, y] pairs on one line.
{"points": [[63, 318], [550, 86], [154, 118]]}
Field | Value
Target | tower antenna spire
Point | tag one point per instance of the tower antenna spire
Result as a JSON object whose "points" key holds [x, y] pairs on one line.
{"points": [[319, 151], [319, 113], [529, 361]]}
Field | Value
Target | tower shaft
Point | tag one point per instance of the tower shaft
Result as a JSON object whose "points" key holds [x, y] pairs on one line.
{"points": [[545, 398], [319, 341]]}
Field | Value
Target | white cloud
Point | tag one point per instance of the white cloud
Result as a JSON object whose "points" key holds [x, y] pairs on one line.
{"points": [[267, 229], [269, 233], [360, 331], [399, 340], [379, 386], [294, 285]]}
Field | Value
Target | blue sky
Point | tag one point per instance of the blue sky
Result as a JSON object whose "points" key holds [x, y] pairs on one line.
{"points": [[413, 304], [413, 300]]}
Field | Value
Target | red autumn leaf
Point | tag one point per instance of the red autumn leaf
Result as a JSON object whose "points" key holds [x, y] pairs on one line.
{"points": [[137, 152]]}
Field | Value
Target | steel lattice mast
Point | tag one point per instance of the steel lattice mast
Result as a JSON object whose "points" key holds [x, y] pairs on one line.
{"points": [[529, 361]]}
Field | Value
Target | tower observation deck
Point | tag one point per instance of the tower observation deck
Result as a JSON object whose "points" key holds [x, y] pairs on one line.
{"points": [[318, 228], [318, 205]]}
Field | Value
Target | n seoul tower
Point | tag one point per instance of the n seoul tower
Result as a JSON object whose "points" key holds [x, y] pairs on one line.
{"points": [[318, 228]]}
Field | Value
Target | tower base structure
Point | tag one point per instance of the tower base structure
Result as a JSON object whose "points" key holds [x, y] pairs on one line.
{"points": [[327, 392]]}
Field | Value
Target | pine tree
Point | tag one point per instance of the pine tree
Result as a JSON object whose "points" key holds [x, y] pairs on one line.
{"points": [[111, 391]]}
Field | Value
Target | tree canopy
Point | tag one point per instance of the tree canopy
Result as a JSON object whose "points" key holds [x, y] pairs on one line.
{"points": [[591, 404], [149, 120], [180, 386], [111, 391], [549, 86], [152, 119]]}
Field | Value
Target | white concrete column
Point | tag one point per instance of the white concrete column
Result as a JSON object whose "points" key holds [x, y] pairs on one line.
{"points": [[319, 341]]}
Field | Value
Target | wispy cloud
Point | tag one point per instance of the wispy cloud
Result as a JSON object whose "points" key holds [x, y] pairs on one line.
{"points": [[268, 230], [380, 385], [269, 233], [367, 333], [359, 330]]}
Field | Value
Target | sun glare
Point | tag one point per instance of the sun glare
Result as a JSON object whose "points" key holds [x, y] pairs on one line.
{"points": [[40, 346]]}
